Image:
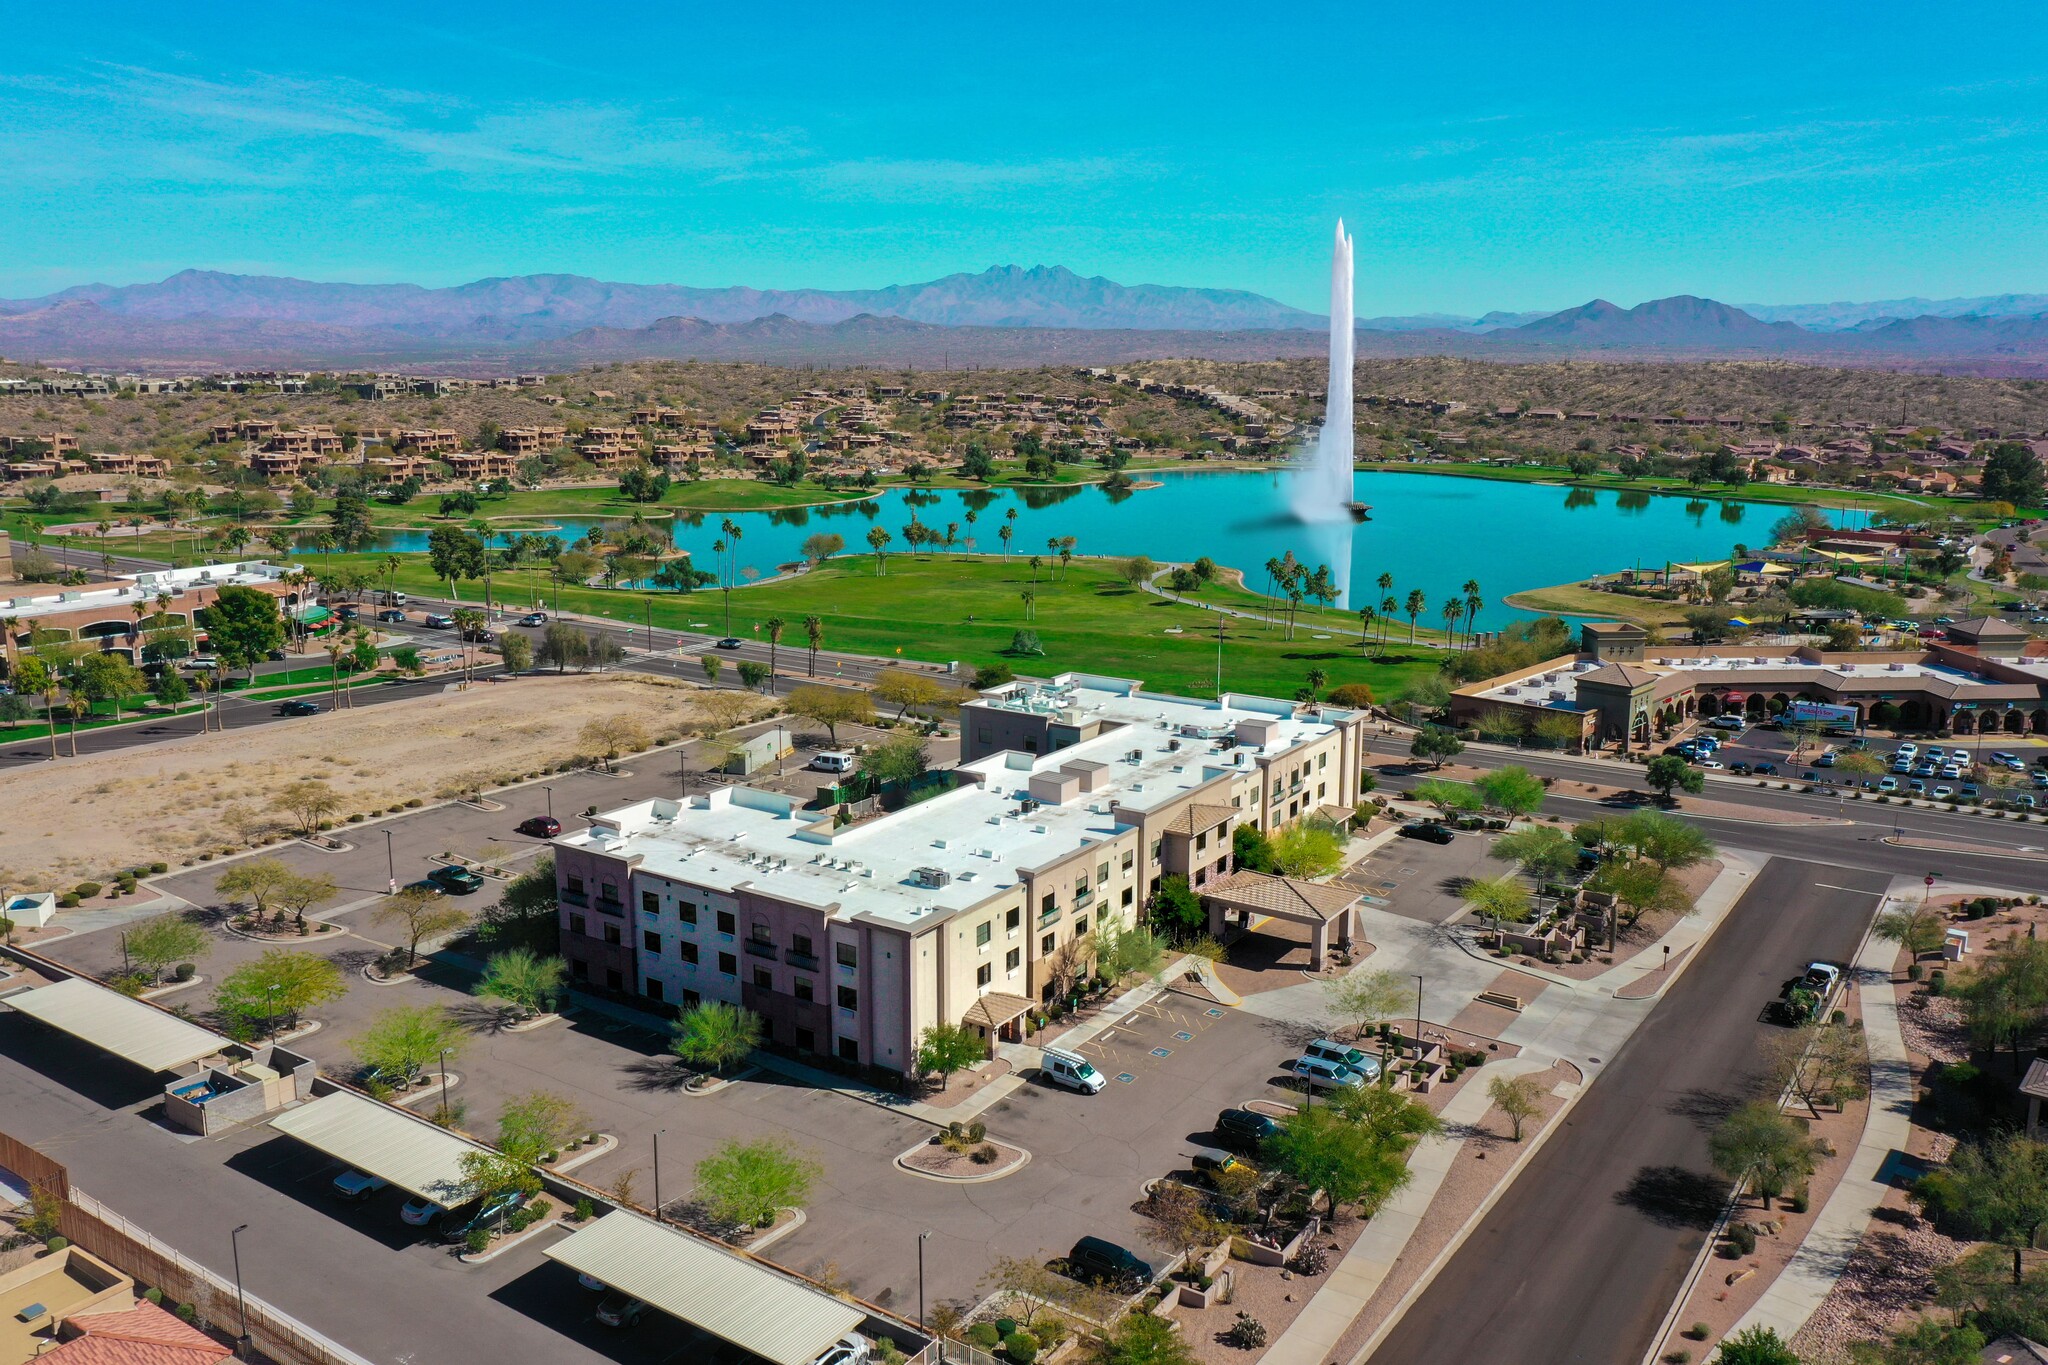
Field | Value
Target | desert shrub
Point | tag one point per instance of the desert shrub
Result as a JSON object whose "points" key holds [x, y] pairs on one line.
{"points": [[1742, 1239], [185, 971], [159, 867], [584, 1211], [1021, 1346], [1247, 1333], [1699, 1331], [983, 1335], [85, 891], [984, 1155], [478, 1241], [57, 1243], [187, 1312], [1312, 1259]]}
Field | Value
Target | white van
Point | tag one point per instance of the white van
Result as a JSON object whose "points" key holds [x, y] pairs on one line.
{"points": [[1072, 1070], [833, 761]]}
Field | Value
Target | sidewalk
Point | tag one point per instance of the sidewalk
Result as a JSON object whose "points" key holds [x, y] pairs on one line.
{"points": [[1312, 1338], [1814, 1268]]}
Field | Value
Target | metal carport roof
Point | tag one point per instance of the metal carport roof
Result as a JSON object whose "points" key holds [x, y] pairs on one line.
{"points": [[410, 1153], [153, 1039], [725, 1294]]}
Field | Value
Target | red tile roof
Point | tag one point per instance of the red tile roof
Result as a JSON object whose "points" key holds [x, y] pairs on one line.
{"points": [[142, 1335]]}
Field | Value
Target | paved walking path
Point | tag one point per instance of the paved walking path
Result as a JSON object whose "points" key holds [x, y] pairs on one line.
{"points": [[1821, 1258], [1312, 1338]]}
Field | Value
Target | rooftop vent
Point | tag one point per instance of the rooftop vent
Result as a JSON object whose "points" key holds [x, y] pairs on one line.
{"points": [[931, 876]]}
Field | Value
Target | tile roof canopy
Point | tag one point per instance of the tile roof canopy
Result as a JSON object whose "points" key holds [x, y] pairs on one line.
{"points": [[996, 1009], [411, 1153], [142, 1335], [1288, 897], [1199, 816], [719, 1291], [154, 1039], [1983, 627], [1620, 675]]}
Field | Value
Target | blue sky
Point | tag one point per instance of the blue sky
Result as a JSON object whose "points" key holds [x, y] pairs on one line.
{"points": [[1485, 155]]}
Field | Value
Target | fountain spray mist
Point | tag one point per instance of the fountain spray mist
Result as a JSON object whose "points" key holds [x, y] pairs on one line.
{"points": [[1322, 497]]}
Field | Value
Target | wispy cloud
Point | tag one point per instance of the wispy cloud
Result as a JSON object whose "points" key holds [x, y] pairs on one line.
{"points": [[923, 178]]}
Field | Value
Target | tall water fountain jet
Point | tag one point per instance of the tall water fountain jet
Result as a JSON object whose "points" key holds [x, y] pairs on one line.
{"points": [[1322, 498]]}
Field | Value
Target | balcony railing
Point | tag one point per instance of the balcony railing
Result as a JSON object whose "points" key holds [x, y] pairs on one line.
{"points": [[1083, 896], [761, 948], [611, 906], [1046, 917], [805, 961], [575, 898]]}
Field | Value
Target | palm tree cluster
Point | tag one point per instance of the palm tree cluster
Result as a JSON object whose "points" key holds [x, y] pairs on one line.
{"points": [[1294, 580]]}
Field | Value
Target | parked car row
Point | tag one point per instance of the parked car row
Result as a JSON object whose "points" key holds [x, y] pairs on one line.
{"points": [[484, 1213]]}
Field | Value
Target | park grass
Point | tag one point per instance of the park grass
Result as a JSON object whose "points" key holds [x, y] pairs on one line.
{"points": [[947, 607], [1570, 599]]}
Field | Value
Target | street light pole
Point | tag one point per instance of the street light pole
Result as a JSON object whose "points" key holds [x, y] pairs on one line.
{"points": [[390, 863], [657, 1173], [241, 1303], [920, 1279], [1418, 1013], [444, 1085], [551, 799]]}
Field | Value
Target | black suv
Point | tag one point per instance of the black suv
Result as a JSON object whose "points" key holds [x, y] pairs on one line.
{"points": [[299, 708], [1094, 1260], [1241, 1130], [487, 1214]]}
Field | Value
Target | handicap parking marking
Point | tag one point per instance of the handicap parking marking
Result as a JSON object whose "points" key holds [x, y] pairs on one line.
{"points": [[1162, 1052], [1388, 886], [1215, 1013], [1126, 1077], [1184, 1036]]}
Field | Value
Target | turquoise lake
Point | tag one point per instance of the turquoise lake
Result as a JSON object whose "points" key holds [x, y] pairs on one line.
{"points": [[1430, 531]]}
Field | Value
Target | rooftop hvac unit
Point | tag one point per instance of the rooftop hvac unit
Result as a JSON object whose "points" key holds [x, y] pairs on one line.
{"points": [[1135, 756], [931, 876], [1173, 746]]}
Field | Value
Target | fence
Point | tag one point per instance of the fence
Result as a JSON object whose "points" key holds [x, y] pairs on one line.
{"points": [[42, 1174], [107, 1235]]}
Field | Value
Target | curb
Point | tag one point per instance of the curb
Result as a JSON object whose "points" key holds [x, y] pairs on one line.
{"points": [[902, 1160], [606, 1142], [504, 1244]]}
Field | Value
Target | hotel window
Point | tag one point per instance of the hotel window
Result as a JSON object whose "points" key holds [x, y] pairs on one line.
{"points": [[1130, 860], [1201, 841], [1046, 945], [651, 941], [1013, 959], [686, 911], [800, 944], [576, 925], [1128, 898], [575, 885], [982, 934], [725, 922], [1013, 917], [764, 980], [1080, 886], [652, 990], [849, 1049], [847, 954], [579, 969], [611, 933], [1102, 873], [1048, 903], [687, 952], [608, 891], [801, 988], [728, 965], [1080, 926], [849, 998], [1157, 845], [984, 974], [650, 903]]}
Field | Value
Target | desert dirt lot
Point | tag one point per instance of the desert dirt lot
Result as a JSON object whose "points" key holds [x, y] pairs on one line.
{"points": [[169, 802]]}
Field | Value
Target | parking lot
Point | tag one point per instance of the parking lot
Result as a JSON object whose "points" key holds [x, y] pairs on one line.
{"points": [[1421, 880]]}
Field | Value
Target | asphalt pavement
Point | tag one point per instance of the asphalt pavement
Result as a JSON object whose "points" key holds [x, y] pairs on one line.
{"points": [[1582, 1257]]}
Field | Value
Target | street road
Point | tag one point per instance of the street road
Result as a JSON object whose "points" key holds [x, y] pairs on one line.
{"points": [[1583, 1256]]}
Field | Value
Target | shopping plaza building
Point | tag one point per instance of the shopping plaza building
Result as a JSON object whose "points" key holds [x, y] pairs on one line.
{"points": [[849, 930], [1988, 676], [119, 616]]}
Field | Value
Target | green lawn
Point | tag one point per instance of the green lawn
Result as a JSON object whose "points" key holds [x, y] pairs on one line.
{"points": [[1573, 600], [1911, 507], [967, 607]]}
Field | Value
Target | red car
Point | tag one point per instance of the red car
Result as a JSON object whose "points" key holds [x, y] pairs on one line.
{"points": [[541, 826]]}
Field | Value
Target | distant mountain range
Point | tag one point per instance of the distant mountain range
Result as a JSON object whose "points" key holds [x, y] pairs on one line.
{"points": [[1007, 315]]}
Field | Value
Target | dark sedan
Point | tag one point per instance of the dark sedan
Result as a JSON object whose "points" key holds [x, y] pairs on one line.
{"points": [[1428, 830], [540, 826]]}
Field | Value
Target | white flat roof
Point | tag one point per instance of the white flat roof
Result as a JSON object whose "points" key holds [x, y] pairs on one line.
{"points": [[719, 1291], [153, 1039], [979, 834], [1558, 685], [409, 1152], [146, 588]]}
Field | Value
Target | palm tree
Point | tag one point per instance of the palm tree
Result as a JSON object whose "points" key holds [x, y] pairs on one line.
{"points": [[1029, 597], [1389, 607], [392, 564], [774, 626], [1316, 678], [1473, 602], [77, 705], [1453, 609], [1365, 620], [731, 547], [878, 541], [335, 651], [1006, 531], [814, 631], [468, 621], [1413, 606]]}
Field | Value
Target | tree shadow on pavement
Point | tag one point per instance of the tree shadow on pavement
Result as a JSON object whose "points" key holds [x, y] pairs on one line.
{"points": [[656, 1075], [1674, 1197], [1705, 1108]]}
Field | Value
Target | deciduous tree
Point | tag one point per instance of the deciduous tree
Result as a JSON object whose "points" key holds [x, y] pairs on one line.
{"points": [[1365, 999], [161, 940], [525, 982], [946, 1048], [831, 708], [746, 1183], [419, 914], [1517, 1098], [279, 985], [401, 1041], [715, 1035]]}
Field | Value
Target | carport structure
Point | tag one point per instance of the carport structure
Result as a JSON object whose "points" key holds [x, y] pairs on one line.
{"points": [[153, 1039], [1319, 905], [409, 1152], [717, 1291]]}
